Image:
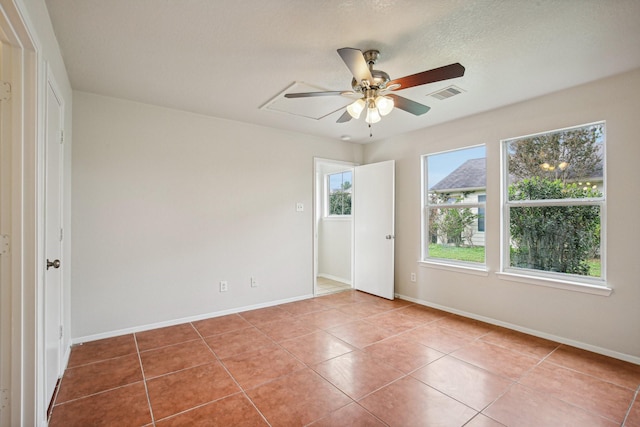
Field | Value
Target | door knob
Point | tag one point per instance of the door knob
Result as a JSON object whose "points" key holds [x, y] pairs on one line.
{"points": [[55, 263]]}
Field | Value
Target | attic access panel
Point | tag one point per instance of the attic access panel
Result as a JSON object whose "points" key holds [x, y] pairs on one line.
{"points": [[311, 108]]}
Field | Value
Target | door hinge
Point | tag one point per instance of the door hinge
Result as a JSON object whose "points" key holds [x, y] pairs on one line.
{"points": [[61, 136], [61, 234], [4, 244], [4, 398], [5, 91], [60, 331]]}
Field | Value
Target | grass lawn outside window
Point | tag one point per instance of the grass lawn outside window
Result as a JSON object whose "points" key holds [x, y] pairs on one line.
{"points": [[476, 254], [457, 253]]}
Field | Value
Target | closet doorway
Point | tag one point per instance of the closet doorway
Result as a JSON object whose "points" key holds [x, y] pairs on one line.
{"points": [[333, 226]]}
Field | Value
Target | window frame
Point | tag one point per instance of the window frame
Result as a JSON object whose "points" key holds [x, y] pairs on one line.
{"points": [[327, 194], [568, 281], [445, 263]]}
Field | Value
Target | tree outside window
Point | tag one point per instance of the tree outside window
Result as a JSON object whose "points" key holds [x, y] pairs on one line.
{"points": [[339, 193], [454, 211], [555, 200]]}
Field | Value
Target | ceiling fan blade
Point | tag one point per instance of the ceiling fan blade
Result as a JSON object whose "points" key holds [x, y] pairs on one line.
{"points": [[408, 105], [345, 117], [355, 62], [311, 94], [352, 94], [437, 74]]}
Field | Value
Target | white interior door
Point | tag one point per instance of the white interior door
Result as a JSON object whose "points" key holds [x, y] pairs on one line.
{"points": [[53, 244], [374, 215]]}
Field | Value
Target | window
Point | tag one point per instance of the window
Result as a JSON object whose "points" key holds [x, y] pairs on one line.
{"points": [[554, 200], [338, 200], [454, 188]]}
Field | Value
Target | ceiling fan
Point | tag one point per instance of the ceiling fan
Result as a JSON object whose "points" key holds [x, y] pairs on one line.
{"points": [[373, 87]]}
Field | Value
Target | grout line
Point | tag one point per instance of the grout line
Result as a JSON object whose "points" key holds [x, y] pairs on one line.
{"points": [[633, 400], [599, 378], [144, 381], [480, 414], [199, 406], [100, 360], [165, 346], [242, 390], [528, 371], [587, 410], [98, 393]]}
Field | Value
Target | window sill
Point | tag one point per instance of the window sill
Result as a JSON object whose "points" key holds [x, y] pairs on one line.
{"points": [[480, 270], [337, 218], [556, 283]]}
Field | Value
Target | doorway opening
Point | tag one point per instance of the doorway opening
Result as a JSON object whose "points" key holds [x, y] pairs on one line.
{"points": [[333, 226]]}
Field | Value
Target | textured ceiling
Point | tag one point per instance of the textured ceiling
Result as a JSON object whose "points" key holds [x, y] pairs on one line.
{"points": [[228, 58]]}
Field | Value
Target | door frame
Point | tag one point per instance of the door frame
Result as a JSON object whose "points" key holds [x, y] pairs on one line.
{"points": [[21, 218], [318, 193]]}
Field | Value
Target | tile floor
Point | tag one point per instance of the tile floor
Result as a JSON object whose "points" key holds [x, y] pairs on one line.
{"points": [[345, 359], [326, 286]]}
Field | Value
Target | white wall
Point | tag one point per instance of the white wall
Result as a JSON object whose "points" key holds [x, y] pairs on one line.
{"points": [[605, 323], [334, 249], [168, 203]]}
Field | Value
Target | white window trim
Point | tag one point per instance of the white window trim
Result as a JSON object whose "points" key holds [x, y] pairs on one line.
{"points": [[585, 284], [337, 218], [524, 276], [474, 268]]}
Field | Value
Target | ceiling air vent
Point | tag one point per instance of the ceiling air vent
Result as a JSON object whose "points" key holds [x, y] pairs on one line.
{"points": [[447, 92]]}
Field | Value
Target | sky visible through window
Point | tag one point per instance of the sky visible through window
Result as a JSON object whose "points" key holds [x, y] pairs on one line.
{"points": [[441, 165], [336, 180]]}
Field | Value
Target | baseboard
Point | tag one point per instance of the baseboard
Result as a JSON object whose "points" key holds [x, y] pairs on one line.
{"points": [[111, 334], [561, 340]]}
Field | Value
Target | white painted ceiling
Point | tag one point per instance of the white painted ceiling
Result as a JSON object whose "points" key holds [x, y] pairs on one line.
{"points": [[228, 58]]}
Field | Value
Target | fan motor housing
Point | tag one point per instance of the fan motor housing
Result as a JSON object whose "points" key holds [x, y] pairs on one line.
{"points": [[380, 80]]}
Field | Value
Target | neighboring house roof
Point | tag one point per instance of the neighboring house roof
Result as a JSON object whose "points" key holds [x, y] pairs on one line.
{"points": [[471, 174]]}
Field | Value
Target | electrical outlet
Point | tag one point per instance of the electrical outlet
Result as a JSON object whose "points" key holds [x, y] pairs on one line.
{"points": [[254, 282], [413, 277], [224, 286]]}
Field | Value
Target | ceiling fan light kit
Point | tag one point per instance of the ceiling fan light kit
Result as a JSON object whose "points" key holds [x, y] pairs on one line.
{"points": [[373, 116], [356, 108], [376, 108], [374, 86], [384, 104]]}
